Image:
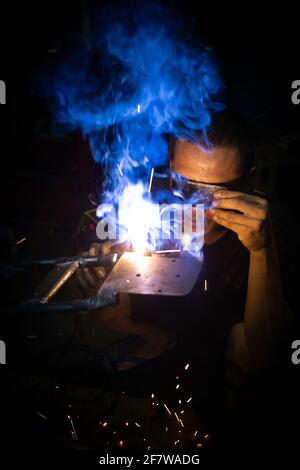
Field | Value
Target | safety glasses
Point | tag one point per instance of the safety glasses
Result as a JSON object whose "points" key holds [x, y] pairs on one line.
{"points": [[202, 193]]}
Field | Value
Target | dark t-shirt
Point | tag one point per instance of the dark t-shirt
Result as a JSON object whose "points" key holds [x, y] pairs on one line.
{"points": [[202, 321]]}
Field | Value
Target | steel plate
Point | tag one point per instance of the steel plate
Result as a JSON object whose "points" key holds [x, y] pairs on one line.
{"points": [[155, 274]]}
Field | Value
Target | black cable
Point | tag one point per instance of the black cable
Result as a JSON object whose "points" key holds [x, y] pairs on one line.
{"points": [[36, 307], [62, 355]]}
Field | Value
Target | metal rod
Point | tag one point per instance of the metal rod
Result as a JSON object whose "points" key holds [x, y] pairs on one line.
{"points": [[82, 261], [65, 276]]}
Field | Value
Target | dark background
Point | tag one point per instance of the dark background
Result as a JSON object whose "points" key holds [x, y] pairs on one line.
{"points": [[48, 181]]}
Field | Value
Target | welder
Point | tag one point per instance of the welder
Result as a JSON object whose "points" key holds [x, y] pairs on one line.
{"points": [[235, 323]]}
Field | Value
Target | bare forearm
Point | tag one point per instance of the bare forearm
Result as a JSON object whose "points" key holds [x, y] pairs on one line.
{"points": [[267, 315]]}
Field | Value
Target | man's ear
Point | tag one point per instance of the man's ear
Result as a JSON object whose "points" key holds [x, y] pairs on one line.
{"points": [[250, 180]]}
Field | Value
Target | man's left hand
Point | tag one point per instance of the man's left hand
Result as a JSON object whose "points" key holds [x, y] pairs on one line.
{"points": [[252, 223]]}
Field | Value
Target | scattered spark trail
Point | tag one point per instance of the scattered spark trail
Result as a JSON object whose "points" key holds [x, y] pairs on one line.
{"points": [[161, 252], [21, 241], [151, 179], [73, 432], [120, 170], [167, 409]]}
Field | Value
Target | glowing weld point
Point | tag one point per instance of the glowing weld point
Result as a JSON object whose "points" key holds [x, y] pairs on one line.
{"points": [[189, 400], [167, 409], [114, 259], [138, 108], [186, 240]]}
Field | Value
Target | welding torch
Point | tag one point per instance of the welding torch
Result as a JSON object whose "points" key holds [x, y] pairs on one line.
{"points": [[82, 261], [64, 268]]}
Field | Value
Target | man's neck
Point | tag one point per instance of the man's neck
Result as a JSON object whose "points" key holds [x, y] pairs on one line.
{"points": [[212, 237]]}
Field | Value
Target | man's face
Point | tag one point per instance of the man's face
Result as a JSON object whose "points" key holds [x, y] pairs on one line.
{"points": [[214, 166]]}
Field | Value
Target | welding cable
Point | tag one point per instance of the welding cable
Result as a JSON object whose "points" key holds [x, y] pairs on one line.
{"points": [[102, 357], [35, 307], [60, 358], [101, 354]]}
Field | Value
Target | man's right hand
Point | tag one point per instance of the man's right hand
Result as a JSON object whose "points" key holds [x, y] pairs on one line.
{"points": [[90, 279]]}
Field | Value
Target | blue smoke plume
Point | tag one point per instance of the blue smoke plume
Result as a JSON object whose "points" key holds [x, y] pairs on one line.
{"points": [[140, 83]]}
